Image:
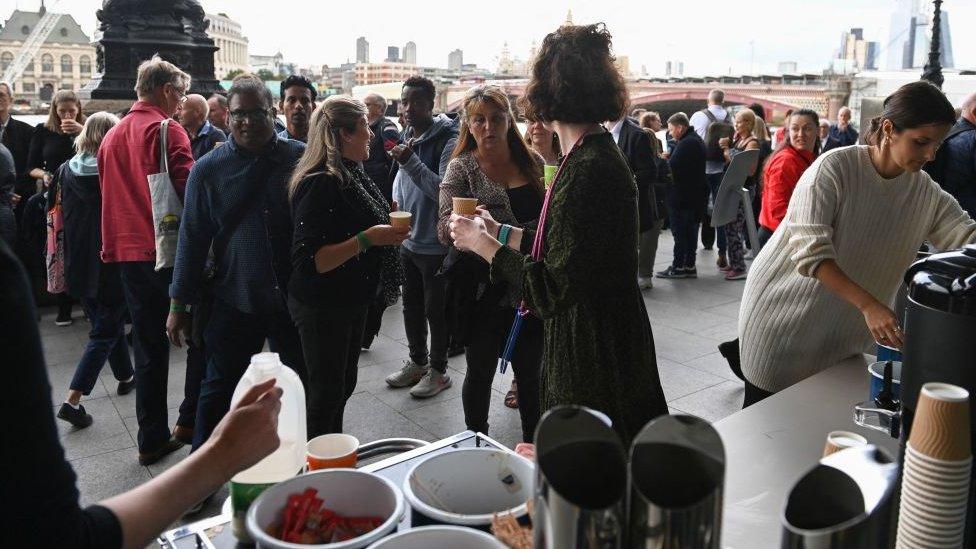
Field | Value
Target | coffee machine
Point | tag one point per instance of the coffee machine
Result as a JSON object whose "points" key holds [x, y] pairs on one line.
{"points": [[940, 339]]}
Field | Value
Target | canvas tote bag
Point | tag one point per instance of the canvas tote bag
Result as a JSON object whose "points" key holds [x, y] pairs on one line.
{"points": [[167, 209]]}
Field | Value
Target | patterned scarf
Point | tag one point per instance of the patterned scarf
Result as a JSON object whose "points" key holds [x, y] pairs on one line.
{"points": [[368, 197]]}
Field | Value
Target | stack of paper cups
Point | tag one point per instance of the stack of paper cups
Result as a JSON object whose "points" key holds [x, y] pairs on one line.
{"points": [[938, 460]]}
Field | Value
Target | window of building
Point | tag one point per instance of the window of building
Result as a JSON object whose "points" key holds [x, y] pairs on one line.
{"points": [[64, 31], [67, 64], [29, 68], [29, 87], [66, 87], [6, 58], [47, 63], [85, 64], [25, 29]]}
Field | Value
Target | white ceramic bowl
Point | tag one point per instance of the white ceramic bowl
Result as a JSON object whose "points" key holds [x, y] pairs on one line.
{"points": [[468, 486], [348, 492], [439, 537]]}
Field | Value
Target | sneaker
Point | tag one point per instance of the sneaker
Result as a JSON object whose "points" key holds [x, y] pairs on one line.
{"points": [[75, 416], [431, 384], [722, 262], [410, 374], [671, 272], [171, 446], [645, 282], [64, 318], [735, 274], [690, 272], [126, 387]]}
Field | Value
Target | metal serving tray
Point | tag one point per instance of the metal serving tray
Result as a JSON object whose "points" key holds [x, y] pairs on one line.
{"points": [[216, 533]]}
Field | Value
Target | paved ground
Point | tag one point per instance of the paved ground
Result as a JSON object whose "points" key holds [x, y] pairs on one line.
{"points": [[690, 318]]}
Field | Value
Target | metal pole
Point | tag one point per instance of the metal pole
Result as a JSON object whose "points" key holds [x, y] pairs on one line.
{"points": [[933, 69]]}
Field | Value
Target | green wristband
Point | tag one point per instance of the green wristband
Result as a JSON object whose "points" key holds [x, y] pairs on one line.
{"points": [[364, 243], [175, 308]]}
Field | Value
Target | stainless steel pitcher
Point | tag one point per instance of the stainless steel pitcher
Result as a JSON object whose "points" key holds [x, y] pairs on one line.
{"points": [[845, 502], [677, 476], [581, 481]]}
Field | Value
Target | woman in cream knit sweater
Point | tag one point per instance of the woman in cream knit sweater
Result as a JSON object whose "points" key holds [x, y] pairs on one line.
{"points": [[819, 290]]}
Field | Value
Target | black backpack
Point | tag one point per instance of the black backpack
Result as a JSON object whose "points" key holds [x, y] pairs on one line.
{"points": [[716, 130], [937, 167]]}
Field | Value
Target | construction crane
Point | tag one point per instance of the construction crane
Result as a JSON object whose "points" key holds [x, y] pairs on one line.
{"points": [[32, 44]]}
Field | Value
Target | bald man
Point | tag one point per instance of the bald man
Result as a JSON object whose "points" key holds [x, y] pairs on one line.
{"points": [[193, 117], [842, 131], [219, 112], [954, 167]]}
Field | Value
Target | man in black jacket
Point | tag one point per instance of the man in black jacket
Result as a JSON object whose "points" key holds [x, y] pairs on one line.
{"points": [[635, 145], [16, 136], [687, 197], [385, 136], [954, 167]]}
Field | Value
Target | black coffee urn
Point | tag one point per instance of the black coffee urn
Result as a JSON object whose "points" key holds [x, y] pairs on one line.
{"points": [[940, 339]]}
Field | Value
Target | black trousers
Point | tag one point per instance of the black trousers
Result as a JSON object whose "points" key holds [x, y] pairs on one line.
{"points": [[425, 303], [331, 339], [764, 236], [231, 338], [489, 330], [753, 395], [147, 296]]}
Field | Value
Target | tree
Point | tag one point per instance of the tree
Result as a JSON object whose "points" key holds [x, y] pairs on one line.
{"points": [[233, 74], [265, 74]]}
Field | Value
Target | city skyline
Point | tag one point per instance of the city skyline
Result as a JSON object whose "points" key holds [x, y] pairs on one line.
{"points": [[794, 33]]}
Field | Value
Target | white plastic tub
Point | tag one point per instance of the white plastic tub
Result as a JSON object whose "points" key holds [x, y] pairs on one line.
{"points": [[469, 486], [439, 537], [348, 492]]}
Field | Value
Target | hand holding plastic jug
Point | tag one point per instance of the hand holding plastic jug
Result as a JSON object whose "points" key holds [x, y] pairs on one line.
{"points": [[249, 432]]}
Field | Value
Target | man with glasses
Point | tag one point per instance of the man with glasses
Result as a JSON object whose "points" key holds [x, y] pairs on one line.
{"points": [[237, 206], [16, 136], [128, 155], [297, 103]]}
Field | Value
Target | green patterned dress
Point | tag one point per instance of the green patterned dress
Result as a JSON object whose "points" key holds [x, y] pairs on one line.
{"points": [[599, 349]]}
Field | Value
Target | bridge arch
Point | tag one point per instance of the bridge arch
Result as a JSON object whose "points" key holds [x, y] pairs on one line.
{"points": [[773, 108]]}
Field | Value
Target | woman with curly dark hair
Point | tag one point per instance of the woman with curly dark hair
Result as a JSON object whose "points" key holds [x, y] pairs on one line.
{"points": [[577, 271]]}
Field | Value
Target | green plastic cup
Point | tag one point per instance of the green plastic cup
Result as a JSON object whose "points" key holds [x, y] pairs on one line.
{"points": [[549, 173]]}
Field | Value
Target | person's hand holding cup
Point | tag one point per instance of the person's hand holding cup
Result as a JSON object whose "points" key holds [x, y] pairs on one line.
{"points": [[490, 224], [388, 235]]}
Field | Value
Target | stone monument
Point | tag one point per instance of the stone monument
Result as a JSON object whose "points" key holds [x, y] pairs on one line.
{"points": [[132, 31]]}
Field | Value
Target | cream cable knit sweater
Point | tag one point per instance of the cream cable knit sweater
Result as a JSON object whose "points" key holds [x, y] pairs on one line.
{"points": [[790, 326]]}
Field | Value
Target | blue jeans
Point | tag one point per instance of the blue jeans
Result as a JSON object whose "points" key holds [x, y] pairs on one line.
{"points": [[709, 233], [684, 227], [231, 338], [106, 341]]}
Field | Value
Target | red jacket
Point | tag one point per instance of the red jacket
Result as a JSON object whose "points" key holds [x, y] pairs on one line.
{"points": [[780, 177], [129, 153]]}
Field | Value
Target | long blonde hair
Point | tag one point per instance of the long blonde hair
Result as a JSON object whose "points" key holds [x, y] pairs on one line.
{"points": [[323, 154]]}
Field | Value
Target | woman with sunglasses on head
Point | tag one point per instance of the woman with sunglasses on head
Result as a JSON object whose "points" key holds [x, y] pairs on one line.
{"points": [[819, 290], [577, 271], [492, 163]]}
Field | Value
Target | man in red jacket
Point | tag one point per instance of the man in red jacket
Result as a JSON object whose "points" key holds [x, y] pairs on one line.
{"points": [[128, 154]]}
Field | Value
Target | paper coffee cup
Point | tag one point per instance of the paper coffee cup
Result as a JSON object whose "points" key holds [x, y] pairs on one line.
{"points": [[465, 206], [940, 429], [332, 451], [400, 219], [840, 440]]}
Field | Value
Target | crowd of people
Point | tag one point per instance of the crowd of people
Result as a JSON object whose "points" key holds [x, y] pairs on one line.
{"points": [[281, 234]]}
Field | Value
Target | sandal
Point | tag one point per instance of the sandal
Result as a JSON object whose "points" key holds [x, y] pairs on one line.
{"points": [[511, 397]]}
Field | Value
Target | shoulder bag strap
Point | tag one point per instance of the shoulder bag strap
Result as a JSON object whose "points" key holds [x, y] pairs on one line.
{"points": [[163, 149]]}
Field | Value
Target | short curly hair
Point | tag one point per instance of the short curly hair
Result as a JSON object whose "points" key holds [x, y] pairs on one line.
{"points": [[425, 85], [574, 78]]}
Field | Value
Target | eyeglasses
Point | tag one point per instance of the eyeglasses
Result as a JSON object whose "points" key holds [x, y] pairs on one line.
{"points": [[254, 115]]}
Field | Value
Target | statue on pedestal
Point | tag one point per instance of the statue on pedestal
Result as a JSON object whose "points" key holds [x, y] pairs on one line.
{"points": [[132, 31]]}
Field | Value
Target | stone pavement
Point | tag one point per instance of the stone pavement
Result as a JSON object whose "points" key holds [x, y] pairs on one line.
{"points": [[689, 317]]}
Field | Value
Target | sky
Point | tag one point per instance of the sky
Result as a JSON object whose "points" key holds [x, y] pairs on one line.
{"points": [[710, 36]]}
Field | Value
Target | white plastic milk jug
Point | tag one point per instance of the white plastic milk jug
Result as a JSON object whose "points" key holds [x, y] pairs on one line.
{"points": [[289, 459]]}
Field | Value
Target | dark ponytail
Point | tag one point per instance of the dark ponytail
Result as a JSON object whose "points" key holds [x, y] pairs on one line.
{"points": [[913, 105]]}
